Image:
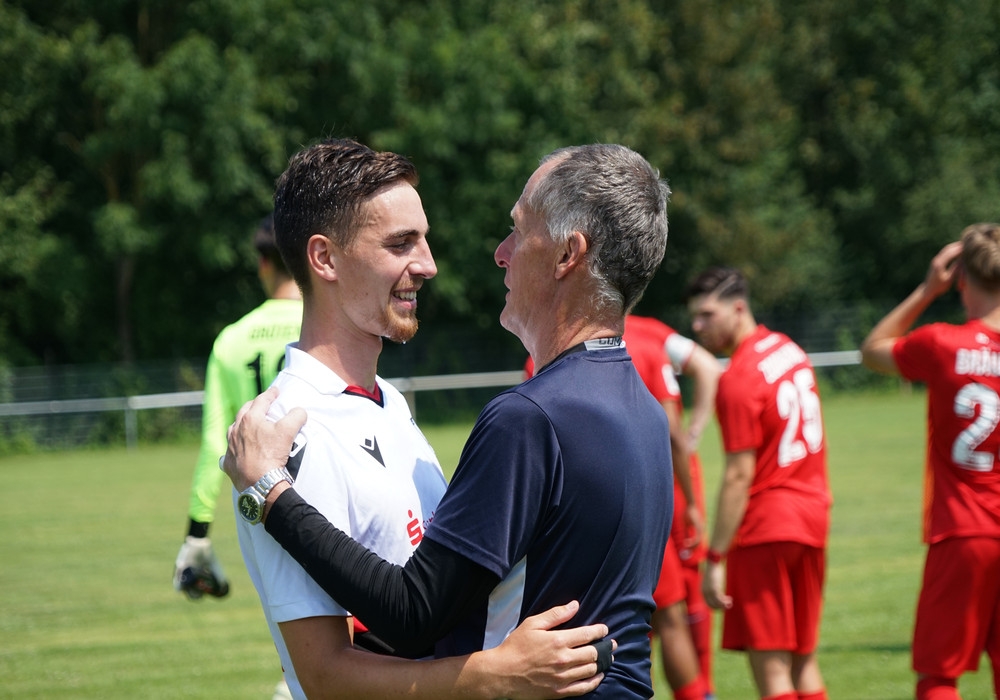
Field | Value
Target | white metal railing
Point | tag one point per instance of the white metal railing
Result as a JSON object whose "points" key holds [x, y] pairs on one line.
{"points": [[131, 404], [408, 386]]}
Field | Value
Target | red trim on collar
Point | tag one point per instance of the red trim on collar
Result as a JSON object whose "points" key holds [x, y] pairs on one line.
{"points": [[375, 395]]}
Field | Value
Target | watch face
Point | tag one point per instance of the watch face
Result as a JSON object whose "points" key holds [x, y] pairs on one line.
{"points": [[249, 508]]}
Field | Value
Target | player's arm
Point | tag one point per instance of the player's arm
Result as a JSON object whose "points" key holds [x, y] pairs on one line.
{"points": [[533, 662], [734, 494], [406, 606], [876, 350], [196, 552], [217, 411], [682, 471], [694, 361], [409, 607]]}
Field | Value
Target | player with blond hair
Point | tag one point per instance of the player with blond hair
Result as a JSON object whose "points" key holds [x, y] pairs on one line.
{"points": [[958, 613]]}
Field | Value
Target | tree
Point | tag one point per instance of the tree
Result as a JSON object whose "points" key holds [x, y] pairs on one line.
{"points": [[144, 146], [898, 105], [825, 147]]}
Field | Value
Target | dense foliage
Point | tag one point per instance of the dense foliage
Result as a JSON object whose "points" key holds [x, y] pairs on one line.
{"points": [[827, 147]]}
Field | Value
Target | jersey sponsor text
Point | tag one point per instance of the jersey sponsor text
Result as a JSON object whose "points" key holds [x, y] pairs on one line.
{"points": [[777, 364], [979, 362], [267, 332]]}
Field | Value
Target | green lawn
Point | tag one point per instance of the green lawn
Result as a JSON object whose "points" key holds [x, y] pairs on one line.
{"points": [[87, 610]]}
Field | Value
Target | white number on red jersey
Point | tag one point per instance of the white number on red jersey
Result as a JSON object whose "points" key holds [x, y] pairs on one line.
{"points": [[798, 404], [963, 451]]}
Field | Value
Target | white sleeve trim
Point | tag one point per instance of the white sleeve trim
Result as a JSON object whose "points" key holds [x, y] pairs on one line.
{"points": [[679, 349]]}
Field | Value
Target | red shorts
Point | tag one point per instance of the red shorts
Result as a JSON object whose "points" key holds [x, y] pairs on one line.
{"points": [[777, 592], [958, 613], [671, 588]]}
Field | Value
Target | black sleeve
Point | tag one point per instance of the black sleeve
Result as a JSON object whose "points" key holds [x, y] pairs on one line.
{"points": [[409, 607]]}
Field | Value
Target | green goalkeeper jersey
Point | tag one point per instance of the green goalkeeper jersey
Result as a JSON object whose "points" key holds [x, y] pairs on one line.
{"points": [[245, 359]]}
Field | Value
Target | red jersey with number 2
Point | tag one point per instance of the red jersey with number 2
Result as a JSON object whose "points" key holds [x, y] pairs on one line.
{"points": [[961, 367], [768, 403]]}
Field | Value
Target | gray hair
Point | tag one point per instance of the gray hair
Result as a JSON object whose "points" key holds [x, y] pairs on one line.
{"points": [[615, 198]]}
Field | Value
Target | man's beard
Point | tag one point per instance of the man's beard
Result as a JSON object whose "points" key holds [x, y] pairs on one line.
{"points": [[400, 329]]}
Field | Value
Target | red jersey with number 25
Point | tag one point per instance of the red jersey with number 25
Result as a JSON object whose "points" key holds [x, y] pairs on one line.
{"points": [[768, 403], [961, 368]]}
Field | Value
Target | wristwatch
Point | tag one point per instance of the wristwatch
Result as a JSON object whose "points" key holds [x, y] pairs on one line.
{"points": [[251, 501]]}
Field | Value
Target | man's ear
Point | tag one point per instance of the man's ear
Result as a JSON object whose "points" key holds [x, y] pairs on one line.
{"points": [[571, 254], [321, 257]]}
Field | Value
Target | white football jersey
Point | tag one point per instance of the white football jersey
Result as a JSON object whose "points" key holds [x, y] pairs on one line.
{"points": [[361, 462]]}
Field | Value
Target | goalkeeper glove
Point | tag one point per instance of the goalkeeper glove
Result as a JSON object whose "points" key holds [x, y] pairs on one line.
{"points": [[197, 571]]}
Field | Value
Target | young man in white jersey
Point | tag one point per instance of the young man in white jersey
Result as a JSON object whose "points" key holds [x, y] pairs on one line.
{"points": [[351, 228]]}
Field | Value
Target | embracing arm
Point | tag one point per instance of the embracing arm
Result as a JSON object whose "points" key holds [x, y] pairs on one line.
{"points": [[533, 662], [542, 657], [410, 606]]}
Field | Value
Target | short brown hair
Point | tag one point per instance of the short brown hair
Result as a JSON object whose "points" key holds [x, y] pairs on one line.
{"points": [[980, 256], [323, 191]]}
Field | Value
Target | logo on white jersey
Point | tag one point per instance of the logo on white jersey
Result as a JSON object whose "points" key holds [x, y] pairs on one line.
{"points": [[371, 447], [413, 529], [295, 455]]}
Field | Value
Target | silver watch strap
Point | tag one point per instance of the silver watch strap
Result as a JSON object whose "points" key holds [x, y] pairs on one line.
{"points": [[272, 479]]}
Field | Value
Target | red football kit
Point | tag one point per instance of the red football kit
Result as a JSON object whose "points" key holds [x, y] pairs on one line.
{"points": [[768, 403], [961, 367], [958, 614]]}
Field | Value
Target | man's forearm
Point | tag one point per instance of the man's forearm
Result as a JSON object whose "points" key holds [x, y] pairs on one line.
{"points": [[876, 349], [733, 497], [329, 667], [531, 663], [704, 370], [410, 607]]}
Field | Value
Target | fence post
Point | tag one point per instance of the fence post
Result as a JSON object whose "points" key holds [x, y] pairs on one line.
{"points": [[131, 426]]}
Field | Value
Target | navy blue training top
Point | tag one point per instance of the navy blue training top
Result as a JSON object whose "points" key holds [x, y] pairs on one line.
{"points": [[565, 491]]}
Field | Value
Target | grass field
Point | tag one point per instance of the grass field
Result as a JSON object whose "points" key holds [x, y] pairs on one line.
{"points": [[87, 610]]}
